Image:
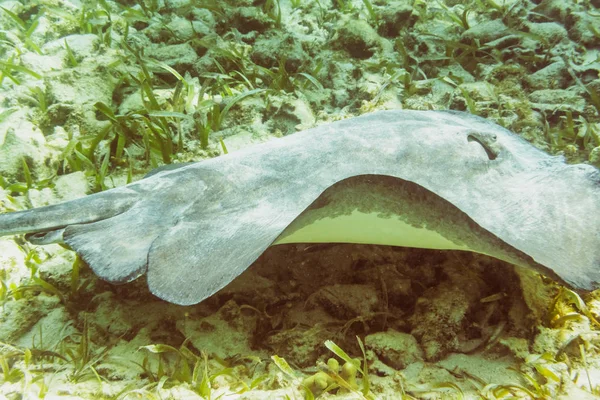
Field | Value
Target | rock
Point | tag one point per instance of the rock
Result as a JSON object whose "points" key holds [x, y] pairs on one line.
{"points": [[268, 50], [292, 114], [12, 259], [519, 347], [441, 314], [302, 346], [347, 301], [554, 75], [552, 32], [551, 100], [66, 187], [175, 5], [134, 103], [43, 63], [396, 349], [595, 156], [21, 140], [12, 6], [357, 37], [341, 74], [485, 32], [81, 46], [537, 298], [248, 19], [557, 10], [58, 267], [201, 29], [576, 393], [20, 316], [71, 186], [181, 57], [225, 334], [177, 30], [205, 17], [582, 30], [181, 29], [80, 87], [52, 329], [550, 340], [394, 17], [480, 91]]}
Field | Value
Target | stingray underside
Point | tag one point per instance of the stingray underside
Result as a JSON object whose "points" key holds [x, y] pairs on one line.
{"points": [[190, 256], [378, 209]]}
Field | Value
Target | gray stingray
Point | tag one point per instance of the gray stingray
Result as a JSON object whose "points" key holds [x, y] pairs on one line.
{"points": [[430, 179]]}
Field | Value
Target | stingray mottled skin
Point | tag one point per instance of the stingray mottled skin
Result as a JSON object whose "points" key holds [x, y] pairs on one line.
{"points": [[450, 180]]}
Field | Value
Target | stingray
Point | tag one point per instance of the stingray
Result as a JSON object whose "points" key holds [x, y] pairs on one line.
{"points": [[424, 179]]}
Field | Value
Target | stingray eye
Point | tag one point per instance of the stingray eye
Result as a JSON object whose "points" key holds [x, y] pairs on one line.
{"points": [[492, 155], [46, 237]]}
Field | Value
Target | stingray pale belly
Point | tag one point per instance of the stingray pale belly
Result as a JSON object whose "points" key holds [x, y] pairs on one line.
{"points": [[376, 209], [452, 178], [368, 228]]}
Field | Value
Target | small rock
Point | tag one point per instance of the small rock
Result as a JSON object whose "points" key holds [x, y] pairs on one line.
{"points": [[581, 31], [23, 141], [71, 186], [394, 17], [396, 349], [66, 187], [226, 333], [358, 38], [12, 6], [480, 91], [20, 316], [519, 347], [178, 56], [248, 19], [347, 301], [204, 17], [551, 100], [486, 32], [181, 29], [595, 156], [570, 150], [554, 75], [175, 31], [81, 45], [268, 50], [575, 392], [51, 326], [552, 32], [12, 259], [557, 10], [43, 63], [441, 314], [302, 346], [77, 88]]}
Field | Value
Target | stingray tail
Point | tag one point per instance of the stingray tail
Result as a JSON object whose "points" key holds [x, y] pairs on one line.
{"points": [[91, 208]]}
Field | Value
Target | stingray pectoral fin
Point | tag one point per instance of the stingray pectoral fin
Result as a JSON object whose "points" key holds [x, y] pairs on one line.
{"points": [[116, 249], [166, 168], [192, 261], [92, 208]]}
